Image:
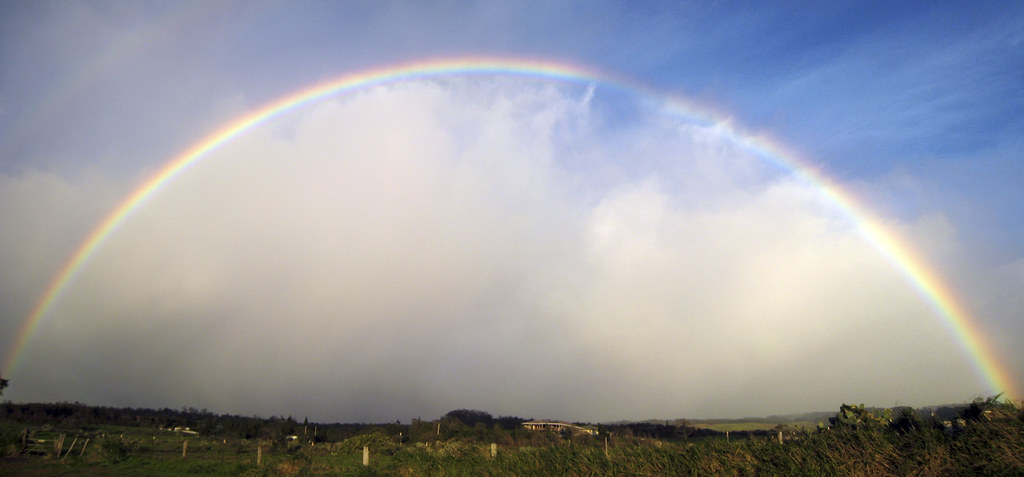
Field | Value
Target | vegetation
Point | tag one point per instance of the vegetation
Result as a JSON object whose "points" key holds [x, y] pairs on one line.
{"points": [[983, 437]]}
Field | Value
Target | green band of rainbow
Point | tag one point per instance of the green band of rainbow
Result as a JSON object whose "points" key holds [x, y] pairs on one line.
{"points": [[943, 300]]}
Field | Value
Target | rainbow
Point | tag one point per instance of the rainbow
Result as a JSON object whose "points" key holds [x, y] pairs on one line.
{"points": [[945, 303]]}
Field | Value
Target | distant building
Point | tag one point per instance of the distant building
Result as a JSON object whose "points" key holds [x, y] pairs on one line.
{"points": [[559, 426]]}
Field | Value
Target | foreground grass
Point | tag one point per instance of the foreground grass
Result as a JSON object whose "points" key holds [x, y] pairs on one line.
{"points": [[994, 450], [986, 446]]}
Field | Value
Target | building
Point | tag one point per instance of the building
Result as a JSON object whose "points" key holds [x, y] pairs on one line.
{"points": [[559, 426]]}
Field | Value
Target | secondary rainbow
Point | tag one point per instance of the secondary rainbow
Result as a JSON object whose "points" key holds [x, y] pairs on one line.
{"points": [[942, 299], [73, 86]]}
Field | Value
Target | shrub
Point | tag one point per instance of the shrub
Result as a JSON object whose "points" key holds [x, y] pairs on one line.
{"points": [[117, 449], [377, 441], [988, 408], [857, 417], [906, 421]]}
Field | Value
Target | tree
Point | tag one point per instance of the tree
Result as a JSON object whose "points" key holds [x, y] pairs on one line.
{"points": [[3, 384], [470, 417]]}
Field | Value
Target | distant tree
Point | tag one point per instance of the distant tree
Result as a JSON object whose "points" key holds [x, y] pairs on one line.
{"points": [[3, 384], [423, 431], [509, 423], [470, 417]]}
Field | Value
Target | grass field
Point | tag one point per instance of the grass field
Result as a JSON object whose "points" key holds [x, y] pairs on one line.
{"points": [[753, 426], [985, 442]]}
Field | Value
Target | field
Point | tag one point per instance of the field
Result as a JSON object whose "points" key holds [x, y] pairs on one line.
{"points": [[988, 440], [752, 426]]}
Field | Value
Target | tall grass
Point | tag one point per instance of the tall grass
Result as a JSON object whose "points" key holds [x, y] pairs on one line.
{"points": [[989, 447]]}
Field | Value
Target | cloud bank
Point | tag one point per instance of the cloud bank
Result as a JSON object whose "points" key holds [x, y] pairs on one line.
{"points": [[498, 244]]}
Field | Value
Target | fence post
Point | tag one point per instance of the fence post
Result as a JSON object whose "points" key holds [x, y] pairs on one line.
{"points": [[726, 436], [780, 437], [494, 449], [184, 448], [259, 453], [366, 456], [73, 442]]}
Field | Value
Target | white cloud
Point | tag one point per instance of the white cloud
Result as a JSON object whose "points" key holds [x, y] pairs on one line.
{"points": [[411, 249]]}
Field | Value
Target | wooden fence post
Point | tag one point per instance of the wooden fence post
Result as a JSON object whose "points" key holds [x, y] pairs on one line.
{"points": [[259, 454], [780, 437], [494, 449], [184, 448], [73, 442], [366, 456], [80, 454]]}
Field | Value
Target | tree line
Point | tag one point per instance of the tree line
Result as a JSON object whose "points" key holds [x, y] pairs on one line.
{"points": [[462, 424]]}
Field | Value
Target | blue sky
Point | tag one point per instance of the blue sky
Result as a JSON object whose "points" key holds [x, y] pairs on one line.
{"points": [[601, 220]]}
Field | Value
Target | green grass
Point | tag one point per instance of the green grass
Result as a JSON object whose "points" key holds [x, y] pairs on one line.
{"points": [[738, 426], [994, 447]]}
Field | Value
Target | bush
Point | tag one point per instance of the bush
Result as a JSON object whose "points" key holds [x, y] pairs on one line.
{"points": [[377, 441], [117, 449], [988, 409], [857, 417], [906, 421]]}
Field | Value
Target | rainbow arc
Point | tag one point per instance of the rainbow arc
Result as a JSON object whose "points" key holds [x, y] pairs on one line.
{"points": [[944, 301]]}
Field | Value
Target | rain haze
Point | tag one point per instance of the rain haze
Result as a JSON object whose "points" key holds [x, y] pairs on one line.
{"points": [[705, 212]]}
